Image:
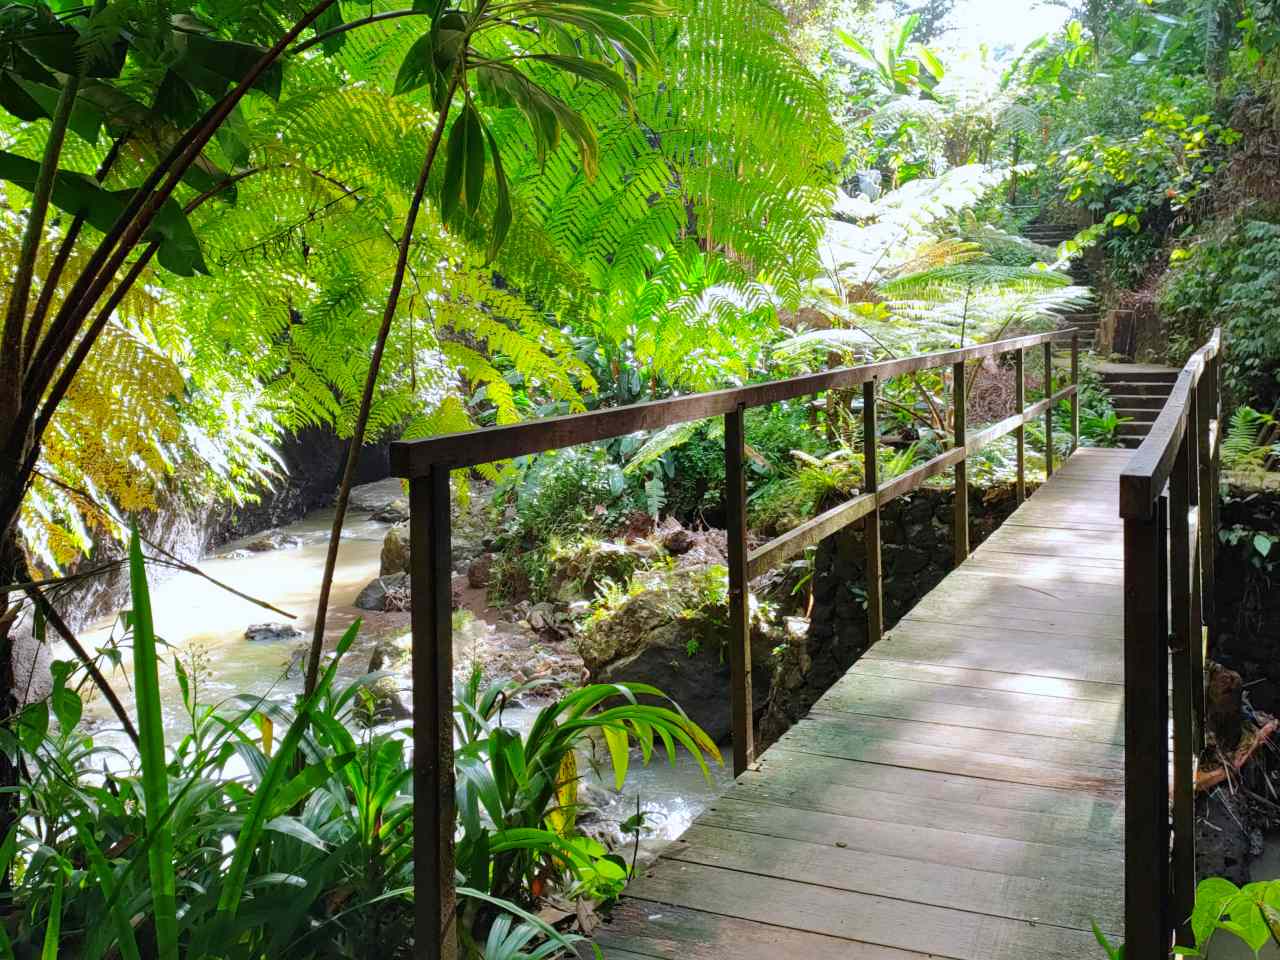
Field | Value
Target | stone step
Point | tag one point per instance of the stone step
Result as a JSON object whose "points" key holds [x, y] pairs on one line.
{"points": [[1130, 402], [1133, 389], [1138, 414], [1139, 376]]}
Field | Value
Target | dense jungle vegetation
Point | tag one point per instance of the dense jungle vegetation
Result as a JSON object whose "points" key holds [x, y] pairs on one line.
{"points": [[224, 224]]}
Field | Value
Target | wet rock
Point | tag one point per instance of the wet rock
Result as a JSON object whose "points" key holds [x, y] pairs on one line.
{"points": [[236, 555], [511, 651], [678, 542], [380, 702], [480, 571], [271, 632], [372, 498], [381, 592], [272, 540], [577, 571], [395, 551], [397, 511], [673, 634], [388, 654], [542, 616]]}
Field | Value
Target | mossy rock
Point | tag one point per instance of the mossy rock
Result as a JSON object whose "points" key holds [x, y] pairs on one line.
{"points": [[577, 570], [671, 630]]}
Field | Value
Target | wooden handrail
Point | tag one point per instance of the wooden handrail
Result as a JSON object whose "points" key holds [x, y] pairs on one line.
{"points": [[1168, 500], [426, 464], [415, 458], [1146, 474]]}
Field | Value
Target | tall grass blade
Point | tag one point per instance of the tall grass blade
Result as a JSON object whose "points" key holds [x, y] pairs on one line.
{"points": [[155, 778], [273, 781], [54, 930]]}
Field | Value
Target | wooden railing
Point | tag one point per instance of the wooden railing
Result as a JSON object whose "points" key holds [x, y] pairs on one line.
{"points": [[1169, 502], [426, 464]]}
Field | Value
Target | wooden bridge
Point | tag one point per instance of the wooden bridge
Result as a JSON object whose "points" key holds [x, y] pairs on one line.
{"points": [[991, 778]]}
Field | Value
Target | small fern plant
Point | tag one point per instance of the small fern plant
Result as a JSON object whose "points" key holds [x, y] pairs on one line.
{"points": [[1251, 440]]}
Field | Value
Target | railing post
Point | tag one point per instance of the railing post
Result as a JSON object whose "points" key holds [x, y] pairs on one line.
{"points": [[1020, 401], [1146, 726], [1075, 397], [1185, 638], [1209, 414], [960, 518], [871, 522], [431, 587], [1048, 414], [739, 598]]}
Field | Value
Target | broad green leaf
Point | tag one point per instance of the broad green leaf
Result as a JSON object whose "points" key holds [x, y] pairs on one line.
{"points": [[590, 70], [233, 61], [619, 753], [502, 207], [473, 182], [1212, 896], [452, 184], [1262, 543], [28, 100], [76, 193], [330, 19], [418, 68]]}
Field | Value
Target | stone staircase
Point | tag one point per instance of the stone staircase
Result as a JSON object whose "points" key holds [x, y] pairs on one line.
{"points": [[1086, 320], [1138, 392]]}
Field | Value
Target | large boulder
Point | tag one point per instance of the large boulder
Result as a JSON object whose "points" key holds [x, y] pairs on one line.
{"points": [[577, 570], [672, 631], [395, 551], [385, 593], [376, 497], [271, 632]]}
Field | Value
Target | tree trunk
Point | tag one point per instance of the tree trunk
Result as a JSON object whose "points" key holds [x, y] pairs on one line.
{"points": [[13, 569]]}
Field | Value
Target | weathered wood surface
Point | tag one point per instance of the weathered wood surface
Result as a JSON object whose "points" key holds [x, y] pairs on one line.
{"points": [[958, 794]]}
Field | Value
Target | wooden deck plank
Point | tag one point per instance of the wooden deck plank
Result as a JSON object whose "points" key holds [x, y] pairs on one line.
{"points": [[884, 921], [955, 887], [957, 794], [1075, 828], [791, 775], [1010, 856], [953, 687], [878, 663], [667, 932]]}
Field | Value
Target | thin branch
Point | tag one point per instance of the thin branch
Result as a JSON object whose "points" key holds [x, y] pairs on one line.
{"points": [[342, 28], [55, 620], [366, 401], [12, 359], [170, 559], [49, 285]]}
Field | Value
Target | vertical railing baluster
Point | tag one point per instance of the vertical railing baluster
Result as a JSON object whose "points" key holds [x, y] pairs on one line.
{"points": [[1196, 499], [1020, 401], [1075, 397], [960, 516], [871, 523], [431, 586], [739, 598], [1184, 636], [1146, 730], [1210, 414], [1048, 414]]}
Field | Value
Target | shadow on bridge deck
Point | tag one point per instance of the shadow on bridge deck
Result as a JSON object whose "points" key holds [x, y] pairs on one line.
{"points": [[959, 793]]}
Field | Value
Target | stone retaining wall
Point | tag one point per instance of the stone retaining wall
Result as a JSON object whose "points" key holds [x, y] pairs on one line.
{"points": [[917, 552]]}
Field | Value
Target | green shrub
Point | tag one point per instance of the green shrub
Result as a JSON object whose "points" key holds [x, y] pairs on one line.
{"points": [[568, 493], [1231, 282]]}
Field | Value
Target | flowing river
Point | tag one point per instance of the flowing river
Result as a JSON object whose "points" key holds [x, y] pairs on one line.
{"points": [[205, 624]]}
